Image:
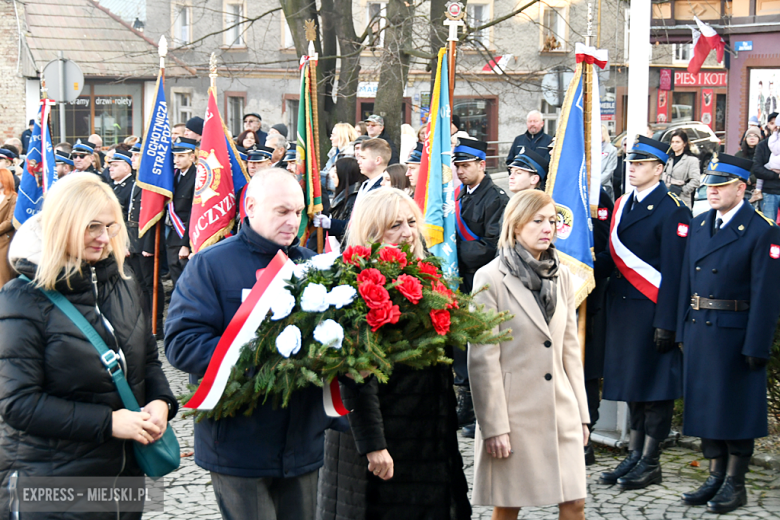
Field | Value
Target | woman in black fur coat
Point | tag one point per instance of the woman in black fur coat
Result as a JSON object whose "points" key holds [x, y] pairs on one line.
{"points": [[401, 458]]}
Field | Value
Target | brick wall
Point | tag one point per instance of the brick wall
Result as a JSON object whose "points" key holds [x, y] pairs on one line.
{"points": [[12, 86]]}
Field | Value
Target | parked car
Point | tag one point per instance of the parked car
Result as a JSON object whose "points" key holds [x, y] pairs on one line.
{"points": [[700, 203]]}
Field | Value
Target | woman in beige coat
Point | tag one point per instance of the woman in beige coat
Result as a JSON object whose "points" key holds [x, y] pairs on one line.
{"points": [[529, 393], [7, 205]]}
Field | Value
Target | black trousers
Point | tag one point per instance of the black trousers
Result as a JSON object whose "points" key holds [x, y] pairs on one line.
{"points": [[143, 267], [594, 399], [718, 449], [654, 418], [175, 264]]}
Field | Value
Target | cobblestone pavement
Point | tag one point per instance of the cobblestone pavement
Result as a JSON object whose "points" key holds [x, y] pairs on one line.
{"points": [[189, 494]]}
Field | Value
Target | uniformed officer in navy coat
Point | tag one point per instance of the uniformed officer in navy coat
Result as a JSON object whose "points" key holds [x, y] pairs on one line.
{"points": [[729, 304], [479, 208], [642, 363]]}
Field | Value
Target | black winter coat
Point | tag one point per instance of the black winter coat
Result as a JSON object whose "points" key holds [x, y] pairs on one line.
{"points": [[771, 179], [56, 398], [413, 417], [341, 210]]}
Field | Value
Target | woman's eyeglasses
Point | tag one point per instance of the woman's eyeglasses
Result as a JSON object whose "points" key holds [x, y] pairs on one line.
{"points": [[96, 229]]}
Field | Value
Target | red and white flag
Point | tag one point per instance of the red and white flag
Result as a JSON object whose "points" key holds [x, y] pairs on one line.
{"points": [[241, 330], [704, 40], [498, 64]]}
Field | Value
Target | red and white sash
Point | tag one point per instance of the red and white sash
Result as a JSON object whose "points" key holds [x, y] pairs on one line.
{"points": [[639, 273], [241, 330]]}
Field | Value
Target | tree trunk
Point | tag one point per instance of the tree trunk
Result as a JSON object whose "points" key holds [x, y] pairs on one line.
{"points": [[394, 68]]}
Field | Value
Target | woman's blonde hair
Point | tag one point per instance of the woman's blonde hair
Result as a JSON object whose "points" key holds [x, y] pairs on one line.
{"points": [[345, 134], [377, 212], [520, 210], [70, 206]]}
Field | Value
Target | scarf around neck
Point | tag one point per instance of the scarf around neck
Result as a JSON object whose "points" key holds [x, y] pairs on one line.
{"points": [[538, 276]]}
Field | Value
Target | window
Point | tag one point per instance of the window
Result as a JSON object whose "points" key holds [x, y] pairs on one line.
{"points": [[235, 114], [287, 38], [182, 25], [683, 104], [550, 117], [234, 28], [553, 29], [476, 15], [682, 52], [182, 107], [479, 118], [376, 17]]}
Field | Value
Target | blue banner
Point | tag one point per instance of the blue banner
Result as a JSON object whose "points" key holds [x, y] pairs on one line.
{"points": [[240, 177], [30, 198], [568, 185], [155, 172]]}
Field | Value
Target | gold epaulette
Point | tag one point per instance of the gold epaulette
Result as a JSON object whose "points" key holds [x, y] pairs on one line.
{"points": [[675, 198], [769, 220]]}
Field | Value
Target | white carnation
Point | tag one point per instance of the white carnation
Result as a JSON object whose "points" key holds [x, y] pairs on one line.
{"points": [[313, 298], [289, 341], [324, 261], [300, 270], [341, 296], [283, 305], [329, 333]]}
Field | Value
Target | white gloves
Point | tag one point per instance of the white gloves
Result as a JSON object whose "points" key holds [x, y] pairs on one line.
{"points": [[322, 221]]}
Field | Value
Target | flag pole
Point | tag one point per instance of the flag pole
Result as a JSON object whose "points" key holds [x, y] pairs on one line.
{"points": [[582, 319], [162, 50], [454, 13], [311, 35]]}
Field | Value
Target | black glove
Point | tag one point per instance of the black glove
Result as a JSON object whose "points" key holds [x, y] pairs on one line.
{"points": [[664, 340], [756, 363]]}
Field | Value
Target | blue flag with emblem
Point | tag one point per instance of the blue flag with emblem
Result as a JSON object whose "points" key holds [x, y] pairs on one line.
{"points": [[39, 174], [435, 188], [567, 184]]}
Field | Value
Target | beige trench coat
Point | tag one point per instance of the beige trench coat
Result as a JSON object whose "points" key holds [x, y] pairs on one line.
{"points": [[532, 388], [7, 205]]}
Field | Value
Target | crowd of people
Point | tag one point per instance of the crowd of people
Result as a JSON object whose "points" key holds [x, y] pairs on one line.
{"points": [[667, 283]]}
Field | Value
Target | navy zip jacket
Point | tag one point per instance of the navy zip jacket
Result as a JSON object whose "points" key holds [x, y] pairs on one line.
{"points": [[273, 441]]}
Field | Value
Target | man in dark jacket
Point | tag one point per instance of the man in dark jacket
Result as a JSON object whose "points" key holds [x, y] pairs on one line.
{"points": [[533, 138], [185, 174], [479, 206], [264, 465], [375, 126], [771, 189], [728, 312]]}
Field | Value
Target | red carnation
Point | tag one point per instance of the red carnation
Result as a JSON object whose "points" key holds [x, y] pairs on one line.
{"points": [[441, 321], [388, 313], [391, 254], [410, 287], [429, 270], [443, 289], [353, 254], [375, 295], [371, 275]]}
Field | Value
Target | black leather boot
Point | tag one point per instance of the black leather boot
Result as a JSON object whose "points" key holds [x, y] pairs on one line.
{"points": [[635, 443], [648, 469], [732, 494], [465, 408], [590, 455], [710, 488]]}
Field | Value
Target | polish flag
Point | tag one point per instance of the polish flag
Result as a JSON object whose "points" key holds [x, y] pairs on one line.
{"points": [[704, 39], [497, 64]]}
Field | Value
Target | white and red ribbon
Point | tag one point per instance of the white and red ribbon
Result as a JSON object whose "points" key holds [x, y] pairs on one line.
{"points": [[591, 55], [331, 399], [241, 330], [639, 273]]}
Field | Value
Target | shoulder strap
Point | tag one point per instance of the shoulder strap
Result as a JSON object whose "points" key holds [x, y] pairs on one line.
{"points": [[107, 356]]}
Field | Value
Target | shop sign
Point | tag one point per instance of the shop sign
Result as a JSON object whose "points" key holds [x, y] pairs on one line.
{"points": [[367, 89], [607, 110], [743, 46], [662, 107], [121, 101], [666, 79], [702, 79]]}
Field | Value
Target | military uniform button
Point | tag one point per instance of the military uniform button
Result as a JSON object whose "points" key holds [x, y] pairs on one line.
{"points": [[548, 376], [548, 344], [714, 271], [624, 297], [698, 268], [708, 323], [693, 320]]}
